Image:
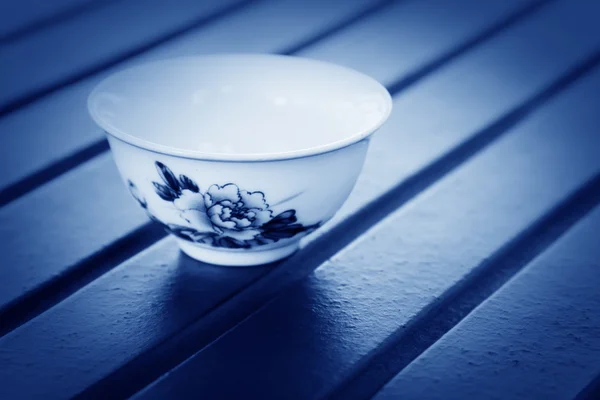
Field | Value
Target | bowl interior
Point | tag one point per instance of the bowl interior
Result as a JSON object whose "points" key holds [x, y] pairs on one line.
{"points": [[239, 105]]}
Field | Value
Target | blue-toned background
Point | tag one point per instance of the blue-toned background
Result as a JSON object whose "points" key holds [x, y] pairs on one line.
{"points": [[464, 265]]}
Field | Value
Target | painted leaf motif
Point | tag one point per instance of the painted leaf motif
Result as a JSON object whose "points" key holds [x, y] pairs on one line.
{"points": [[165, 192], [168, 177], [187, 183]]}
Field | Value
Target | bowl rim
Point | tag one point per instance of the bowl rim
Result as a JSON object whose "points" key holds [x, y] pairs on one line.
{"points": [[136, 141]]}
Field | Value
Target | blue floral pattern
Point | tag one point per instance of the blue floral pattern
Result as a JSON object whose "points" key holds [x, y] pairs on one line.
{"points": [[222, 216]]}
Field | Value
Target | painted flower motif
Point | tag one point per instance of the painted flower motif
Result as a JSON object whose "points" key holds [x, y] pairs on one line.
{"points": [[223, 215]]}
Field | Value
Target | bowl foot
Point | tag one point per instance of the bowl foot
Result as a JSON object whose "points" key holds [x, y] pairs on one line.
{"points": [[245, 258]]}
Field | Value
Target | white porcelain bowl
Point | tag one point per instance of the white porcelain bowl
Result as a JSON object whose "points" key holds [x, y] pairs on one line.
{"points": [[241, 155]]}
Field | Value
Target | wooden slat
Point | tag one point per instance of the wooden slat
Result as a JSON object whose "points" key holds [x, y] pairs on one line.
{"points": [[313, 337], [67, 216], [420, 38], [21, 17], [63, 52], [526, 38], [537, 338], [155, 293], [67, 210], [61, 127]]}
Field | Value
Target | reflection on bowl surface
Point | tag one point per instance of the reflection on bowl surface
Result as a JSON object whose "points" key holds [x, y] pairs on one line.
{"points": [[224, 106]]}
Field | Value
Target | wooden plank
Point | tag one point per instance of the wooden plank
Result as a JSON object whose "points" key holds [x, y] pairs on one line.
{"points": [[18, 18], [159, 279], [527, 38], [154, 272], [537, 338], [72, 229], [61, 127], [407, 42], [63, 52], [67, 218], [310, 339]]}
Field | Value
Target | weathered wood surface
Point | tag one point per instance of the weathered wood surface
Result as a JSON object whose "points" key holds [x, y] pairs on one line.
{"points": [[537, 338]]}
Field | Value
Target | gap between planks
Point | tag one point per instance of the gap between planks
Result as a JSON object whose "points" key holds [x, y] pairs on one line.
{"points": [[83, 273]]}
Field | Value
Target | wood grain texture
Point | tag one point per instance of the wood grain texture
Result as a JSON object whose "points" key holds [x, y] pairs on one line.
{"points": [[331, 323], [538, 337], [18, 348]]}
